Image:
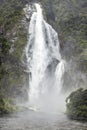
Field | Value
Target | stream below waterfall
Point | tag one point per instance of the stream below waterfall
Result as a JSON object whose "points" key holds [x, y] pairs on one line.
{"points": [[30, 120]]}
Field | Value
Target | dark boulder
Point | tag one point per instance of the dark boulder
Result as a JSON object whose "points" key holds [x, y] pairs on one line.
{"points": [[77, 105]]}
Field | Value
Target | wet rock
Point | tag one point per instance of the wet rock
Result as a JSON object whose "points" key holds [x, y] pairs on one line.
{"points": [[76, 104]]}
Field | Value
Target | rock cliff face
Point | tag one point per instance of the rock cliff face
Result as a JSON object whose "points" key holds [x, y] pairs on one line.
{"points": [[13, 38], [69, 18]]}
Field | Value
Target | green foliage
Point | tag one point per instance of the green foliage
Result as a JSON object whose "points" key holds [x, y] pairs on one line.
{"points": [[12, 33], [83, 55], [77, 105], [75, 29], [6, 106], [10, 12], [2, 72], [4, 45], [70, 20]]}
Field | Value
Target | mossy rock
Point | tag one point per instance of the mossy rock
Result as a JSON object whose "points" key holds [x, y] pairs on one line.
{"points": [[6, 106], [76, 104]]}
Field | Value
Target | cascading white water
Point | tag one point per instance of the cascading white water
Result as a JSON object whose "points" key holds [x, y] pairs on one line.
{"points": [[46, 67]]}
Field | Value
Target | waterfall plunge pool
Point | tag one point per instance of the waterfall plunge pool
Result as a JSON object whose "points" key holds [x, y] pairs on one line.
{"points": [[36, 120]]}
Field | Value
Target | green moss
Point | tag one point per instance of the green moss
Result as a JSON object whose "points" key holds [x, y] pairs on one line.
{"points": [[6, 106], [12, 34], [77, 105]]}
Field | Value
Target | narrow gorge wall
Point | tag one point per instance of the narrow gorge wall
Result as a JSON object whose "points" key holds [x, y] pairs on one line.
{"points": [[69, 18]]}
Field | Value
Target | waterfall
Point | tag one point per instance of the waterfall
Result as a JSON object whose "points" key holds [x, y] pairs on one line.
{"points": [[44, 62]]}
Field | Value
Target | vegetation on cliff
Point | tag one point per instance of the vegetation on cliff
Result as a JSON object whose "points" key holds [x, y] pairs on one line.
{"points": [[6, 106], [69, 18], [13, 38], [77, 105]]}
